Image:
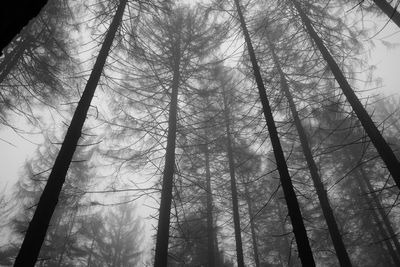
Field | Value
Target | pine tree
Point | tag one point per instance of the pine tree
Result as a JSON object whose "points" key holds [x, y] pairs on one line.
{"points": [[299, 230], [36, 231], [376, 137]]}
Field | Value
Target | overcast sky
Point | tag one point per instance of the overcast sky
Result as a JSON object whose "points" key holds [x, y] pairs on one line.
{"points": [[14, 149]]}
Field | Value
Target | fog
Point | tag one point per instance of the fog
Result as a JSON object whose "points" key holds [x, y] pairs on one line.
{"points": [[201, 133]]}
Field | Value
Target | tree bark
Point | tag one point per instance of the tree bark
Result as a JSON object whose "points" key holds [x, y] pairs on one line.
{"points": [[388, 9], [161, 253], [235, 202], [384, 150], [210, 221], [36, 232], [299, 229], [327, 211]]}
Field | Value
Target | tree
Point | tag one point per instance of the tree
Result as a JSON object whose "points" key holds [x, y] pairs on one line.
{"points": [[299, 230], [384, 150], [340, 248], [113, 237], [36, 231]]}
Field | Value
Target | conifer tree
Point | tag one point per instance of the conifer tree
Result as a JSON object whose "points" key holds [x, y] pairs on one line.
{"points": [[299, 229], [36, 231]]}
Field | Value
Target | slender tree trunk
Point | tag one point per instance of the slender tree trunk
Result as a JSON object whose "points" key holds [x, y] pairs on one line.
{"points": [[378, 224], [89, 262], [376, 137], [299, 229], [210, 221], [289, 261], [161, 253], [36, 232], [252, 226], [235, 202], [381, 211], [388, 9], [327, 211]]}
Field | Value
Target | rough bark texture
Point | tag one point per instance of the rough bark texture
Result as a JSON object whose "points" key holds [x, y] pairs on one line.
{"points": [[14, 16], [388, 9], [161, 254], [327, 211], [299, 229], [37, 228], [235, 205], [384, 150]]}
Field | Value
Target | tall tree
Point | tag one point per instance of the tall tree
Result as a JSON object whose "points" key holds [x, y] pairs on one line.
{"points": [[299, 229], [231, 162], [36, 231], [337, 240], [384, 150]]}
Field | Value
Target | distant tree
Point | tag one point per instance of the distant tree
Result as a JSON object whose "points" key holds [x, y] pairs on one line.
{"points": [[112, 238], [60, 247]]}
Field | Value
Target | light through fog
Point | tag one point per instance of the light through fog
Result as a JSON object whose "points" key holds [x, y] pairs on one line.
{"points": [[20, 141]]}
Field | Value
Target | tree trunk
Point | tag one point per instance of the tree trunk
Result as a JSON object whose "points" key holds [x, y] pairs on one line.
{"points": [[289, 261], [327, 211], [210, 221], [235, 202], [370, 128], [299, 229], [89, 262], [252, 226], [388, 9], [161, 253], [36, 232], [381, 211], [378, 224]]}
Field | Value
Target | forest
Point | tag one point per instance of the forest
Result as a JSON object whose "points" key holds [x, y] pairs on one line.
{"points": [[212, 133]]}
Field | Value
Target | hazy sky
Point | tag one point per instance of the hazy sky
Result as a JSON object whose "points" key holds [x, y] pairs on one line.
{"points": [[12, 157]]}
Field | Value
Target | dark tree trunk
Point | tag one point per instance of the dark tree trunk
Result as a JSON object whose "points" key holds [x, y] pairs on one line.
{"points": [[388, 9], [235, 202], [252, 227], [37, 228], [381, 211], [210, 221], [370, 128], [333, 228], [161, 253], [299, 229], [15, 15], [378, 223]]}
